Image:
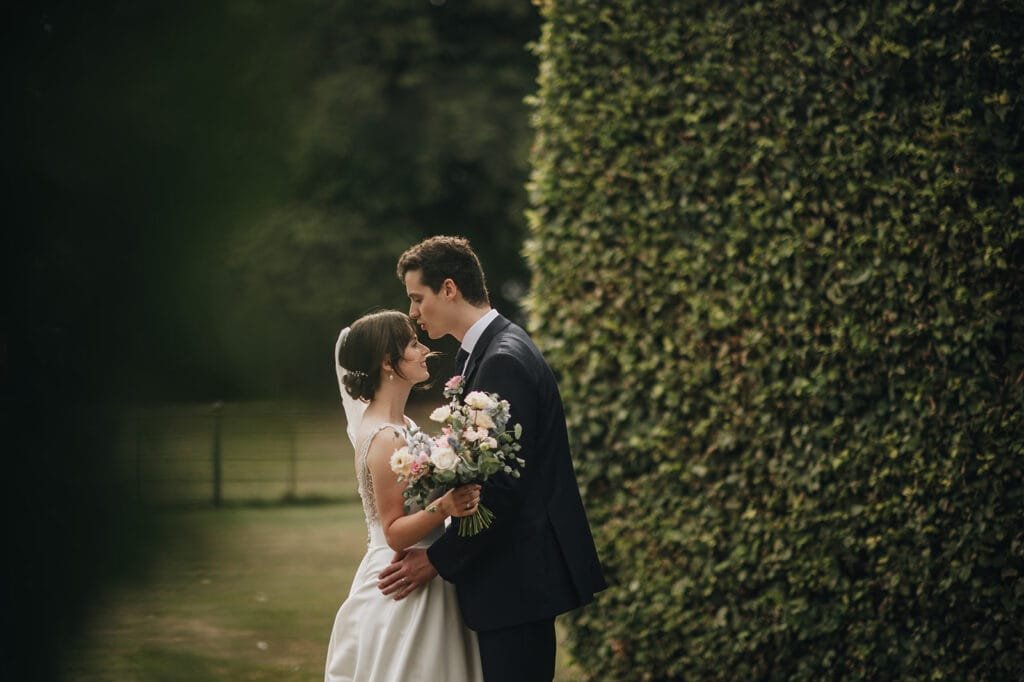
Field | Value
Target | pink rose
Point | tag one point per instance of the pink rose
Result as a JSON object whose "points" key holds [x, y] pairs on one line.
{"points": [[454, 382]]}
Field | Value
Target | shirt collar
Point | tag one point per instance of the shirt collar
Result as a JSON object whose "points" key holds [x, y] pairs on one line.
{"points": [[474, 333]]}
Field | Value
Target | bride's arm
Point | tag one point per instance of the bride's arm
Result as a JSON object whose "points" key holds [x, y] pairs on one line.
{"points": [[400, 529]]}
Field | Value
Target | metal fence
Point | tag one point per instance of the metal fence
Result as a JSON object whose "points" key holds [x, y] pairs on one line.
{"points": [[236, 452]]}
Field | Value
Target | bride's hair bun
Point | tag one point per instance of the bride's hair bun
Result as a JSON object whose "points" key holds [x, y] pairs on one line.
{"points": [[358, 384], [371, 340]]}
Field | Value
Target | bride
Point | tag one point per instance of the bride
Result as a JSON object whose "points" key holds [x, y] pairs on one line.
{"points": [[419, 636]]}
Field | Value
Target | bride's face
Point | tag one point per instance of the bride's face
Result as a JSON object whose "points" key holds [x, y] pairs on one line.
{"points": [[413, 365]]}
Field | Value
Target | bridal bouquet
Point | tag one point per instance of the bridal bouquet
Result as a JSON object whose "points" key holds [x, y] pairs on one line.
{"points": [[473, 445]]}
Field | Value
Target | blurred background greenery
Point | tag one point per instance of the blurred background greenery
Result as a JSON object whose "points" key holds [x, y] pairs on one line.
{"points": [[208, 191], [199, 195]]}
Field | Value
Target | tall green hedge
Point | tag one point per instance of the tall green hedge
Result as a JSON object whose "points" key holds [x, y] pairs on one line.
{"points": [[778, 256]]}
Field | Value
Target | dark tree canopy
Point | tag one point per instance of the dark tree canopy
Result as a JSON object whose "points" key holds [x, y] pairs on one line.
{"points": [[208, 191]]}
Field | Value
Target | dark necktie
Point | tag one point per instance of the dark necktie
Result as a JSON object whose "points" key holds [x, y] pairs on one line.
{"points": [[460, 360]]}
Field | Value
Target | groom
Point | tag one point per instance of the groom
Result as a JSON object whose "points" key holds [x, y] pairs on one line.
{"points": [[537, 559]]}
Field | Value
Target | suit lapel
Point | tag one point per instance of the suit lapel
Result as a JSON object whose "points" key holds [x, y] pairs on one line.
{"points": [[497, 324]]}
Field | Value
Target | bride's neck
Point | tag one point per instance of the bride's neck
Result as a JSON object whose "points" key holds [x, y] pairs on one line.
{"points": [[388, 404]]}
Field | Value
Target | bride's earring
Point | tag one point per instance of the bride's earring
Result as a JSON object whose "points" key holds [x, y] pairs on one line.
{"points": [[390, 377]]}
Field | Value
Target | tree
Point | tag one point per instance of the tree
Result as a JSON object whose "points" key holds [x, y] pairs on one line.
{"points": [[409, 122]]}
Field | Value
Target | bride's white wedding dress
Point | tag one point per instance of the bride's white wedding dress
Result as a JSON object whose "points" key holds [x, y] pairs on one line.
{"points": [[378, 639]]}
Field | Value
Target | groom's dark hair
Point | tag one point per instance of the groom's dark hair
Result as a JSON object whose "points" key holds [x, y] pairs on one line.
{"points": [[441, 258]]}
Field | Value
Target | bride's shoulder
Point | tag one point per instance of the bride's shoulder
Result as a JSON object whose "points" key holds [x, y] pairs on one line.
{"points": [[380, 437]]}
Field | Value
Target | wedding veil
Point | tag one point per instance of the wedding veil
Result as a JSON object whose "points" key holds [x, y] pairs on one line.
{"points": [[353, 408]]}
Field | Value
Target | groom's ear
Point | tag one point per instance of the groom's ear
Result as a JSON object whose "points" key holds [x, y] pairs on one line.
{"points": [[449, 289]]}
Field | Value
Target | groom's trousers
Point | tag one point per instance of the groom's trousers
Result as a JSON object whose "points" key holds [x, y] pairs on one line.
{"points": [[523, 653]]}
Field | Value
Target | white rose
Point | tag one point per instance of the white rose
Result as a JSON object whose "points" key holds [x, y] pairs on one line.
{"points": [[401, 461], [441, 414], [444, 459], [479, 400], [483, 420], [490, 442]]}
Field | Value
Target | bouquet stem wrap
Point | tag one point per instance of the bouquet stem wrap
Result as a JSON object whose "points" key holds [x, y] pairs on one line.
{"points": [[476, 522]]}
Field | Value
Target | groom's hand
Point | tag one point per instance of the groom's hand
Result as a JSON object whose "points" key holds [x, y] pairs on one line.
{"points": [[409, 570]]}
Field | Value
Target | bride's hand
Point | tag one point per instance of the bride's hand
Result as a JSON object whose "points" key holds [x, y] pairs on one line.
{"points": [[461, 501]]}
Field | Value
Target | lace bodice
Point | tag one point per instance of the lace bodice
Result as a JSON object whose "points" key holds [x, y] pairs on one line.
{"points": [[365, 479]]}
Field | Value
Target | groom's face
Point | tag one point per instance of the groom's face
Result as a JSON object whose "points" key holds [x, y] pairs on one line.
{"points": [[427, 308]]}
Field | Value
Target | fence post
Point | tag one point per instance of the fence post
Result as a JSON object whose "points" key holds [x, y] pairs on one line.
{"points": [[293, 463], [217, 465], [138, 456]]}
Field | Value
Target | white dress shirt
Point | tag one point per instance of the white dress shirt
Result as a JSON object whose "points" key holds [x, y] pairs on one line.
{"points": [[474, 333]]}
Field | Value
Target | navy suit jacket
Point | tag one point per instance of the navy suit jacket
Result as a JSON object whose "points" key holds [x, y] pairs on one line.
{"points": [[537, 559]]}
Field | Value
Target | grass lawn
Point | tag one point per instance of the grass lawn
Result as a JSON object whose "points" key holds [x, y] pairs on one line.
{"points": [[241, 593]]}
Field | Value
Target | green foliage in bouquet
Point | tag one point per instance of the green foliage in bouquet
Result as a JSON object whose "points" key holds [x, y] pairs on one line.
{"points": [[778, 252]]}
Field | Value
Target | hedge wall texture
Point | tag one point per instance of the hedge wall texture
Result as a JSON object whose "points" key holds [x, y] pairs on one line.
{"points": [[778, 252]]}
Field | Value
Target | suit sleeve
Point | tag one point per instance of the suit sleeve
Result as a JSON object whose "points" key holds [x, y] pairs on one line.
{"points": [[505, 375]]}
